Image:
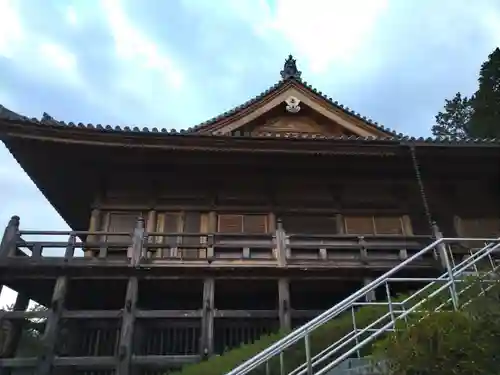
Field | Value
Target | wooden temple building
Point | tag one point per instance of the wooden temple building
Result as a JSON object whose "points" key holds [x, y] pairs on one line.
{"points": [[188, 243]]}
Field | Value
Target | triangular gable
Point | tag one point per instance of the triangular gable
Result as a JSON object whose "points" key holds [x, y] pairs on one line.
{"points": [[323, 108], [292, 88]]}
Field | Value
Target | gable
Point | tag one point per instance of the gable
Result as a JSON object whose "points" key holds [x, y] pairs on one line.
{"points": [[307, 123], [335, 122]]}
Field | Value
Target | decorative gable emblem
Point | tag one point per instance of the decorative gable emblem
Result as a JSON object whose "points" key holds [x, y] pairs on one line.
{"points": [[292, 104]]}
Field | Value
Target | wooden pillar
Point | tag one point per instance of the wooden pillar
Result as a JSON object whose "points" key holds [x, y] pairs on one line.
{"points": [[94, 226], [136, 251], [127, 328], [10, 235], [51, 333], [370, 296], [151, 227], [10, 348], [207, 322], [284, 303], [339, 221], [211, 228], [281, 248]]}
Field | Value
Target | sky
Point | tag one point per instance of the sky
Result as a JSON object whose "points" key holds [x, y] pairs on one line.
{"points": [[177, 63]]}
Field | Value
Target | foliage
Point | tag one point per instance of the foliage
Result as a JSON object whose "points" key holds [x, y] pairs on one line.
{"points": [[453, 122], [485, 119], [477, 116], [31, 333], [294, 356], [463, 342]]}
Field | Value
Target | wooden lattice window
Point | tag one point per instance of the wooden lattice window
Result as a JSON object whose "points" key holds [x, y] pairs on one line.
{"points": [[239, 223], [121, 222], [479, 227], [373, 225]]}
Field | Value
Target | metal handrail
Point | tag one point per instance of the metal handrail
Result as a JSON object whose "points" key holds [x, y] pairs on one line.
{"points": [[329, 314], [352, 336], [403, 314]]}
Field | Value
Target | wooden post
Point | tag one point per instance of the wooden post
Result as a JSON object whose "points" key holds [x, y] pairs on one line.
{"points": [[10, 347], [94, 226], [280, 244], [127, 328], [207, 322], [370, 296], [284, 303], [137, 243], [10, 236], [150, 227], [51, 333], [212, 228]]}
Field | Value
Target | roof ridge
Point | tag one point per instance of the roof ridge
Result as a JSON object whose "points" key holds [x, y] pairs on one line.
{"points": [[49, 121]]}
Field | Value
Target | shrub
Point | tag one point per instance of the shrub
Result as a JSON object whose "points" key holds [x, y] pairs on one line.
{"points": [[464, 342]]}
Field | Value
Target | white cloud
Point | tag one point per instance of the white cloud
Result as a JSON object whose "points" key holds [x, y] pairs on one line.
{"points": [[24, 47], [326, 31], [71, 16], [11, 29], [60, 61], [136, 49]]}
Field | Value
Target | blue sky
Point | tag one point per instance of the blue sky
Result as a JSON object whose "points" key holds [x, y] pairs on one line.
{"points": [[176, 63]]}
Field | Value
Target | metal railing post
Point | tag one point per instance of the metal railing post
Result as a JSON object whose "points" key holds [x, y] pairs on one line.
{"points": [[445, 262], [10, 236], [307, 344]]}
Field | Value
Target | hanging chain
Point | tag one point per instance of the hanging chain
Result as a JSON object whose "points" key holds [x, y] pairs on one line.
{"points": [[416, 168]]}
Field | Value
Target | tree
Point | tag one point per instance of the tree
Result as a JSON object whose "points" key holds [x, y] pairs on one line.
{"points": [[477, 116], [31, 333], [485, 119], [453, 122]]}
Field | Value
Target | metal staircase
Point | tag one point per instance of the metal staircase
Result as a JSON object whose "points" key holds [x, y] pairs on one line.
{"points": [[345, 355]]}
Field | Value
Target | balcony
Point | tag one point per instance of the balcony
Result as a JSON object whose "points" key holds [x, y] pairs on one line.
{"points": [[279, 249]]}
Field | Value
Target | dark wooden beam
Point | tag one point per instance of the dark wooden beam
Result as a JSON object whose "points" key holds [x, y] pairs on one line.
{"points": [[207, 322], [44, 366], [127, 328], [284, 303], [20, 306]]}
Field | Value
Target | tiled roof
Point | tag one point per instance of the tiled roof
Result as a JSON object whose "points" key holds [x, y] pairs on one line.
{"points": [[48, 121], [307, 86], [289, 74]]}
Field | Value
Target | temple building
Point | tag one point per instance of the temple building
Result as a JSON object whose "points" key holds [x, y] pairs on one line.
{"points": [[187, 243]]}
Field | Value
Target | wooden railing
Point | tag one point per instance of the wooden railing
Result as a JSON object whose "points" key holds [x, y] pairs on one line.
{"points": [[277, 249]]}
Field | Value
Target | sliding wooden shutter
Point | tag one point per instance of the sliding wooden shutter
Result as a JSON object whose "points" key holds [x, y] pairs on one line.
{"points": [[255, 224], [230, 223], [359, 225], [121, 222], [242, 223], [388, 225], [192, 223]]}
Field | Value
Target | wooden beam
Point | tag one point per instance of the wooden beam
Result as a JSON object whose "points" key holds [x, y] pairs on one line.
{"points": [[284, 303], [370, 296], [281, 245], [9, 238], [50, 335], [207, 322], [94, 226], [20, 306], [127, 328]]}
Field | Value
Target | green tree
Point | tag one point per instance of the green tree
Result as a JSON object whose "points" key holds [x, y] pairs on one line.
{"points": [[31, 333], [485, 119], [477, 116], [453, 121]]}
